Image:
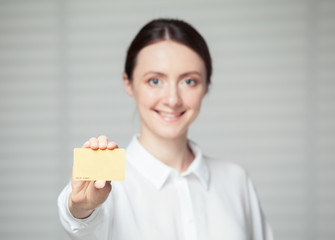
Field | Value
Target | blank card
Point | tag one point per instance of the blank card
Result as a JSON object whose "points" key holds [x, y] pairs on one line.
{"points": [[91, 165]]}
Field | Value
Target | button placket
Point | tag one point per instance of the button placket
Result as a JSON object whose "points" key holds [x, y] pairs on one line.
{"points": [[186, 207]]}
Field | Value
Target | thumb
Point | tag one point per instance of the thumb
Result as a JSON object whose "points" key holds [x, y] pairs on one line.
{"points": [[99, 184]]}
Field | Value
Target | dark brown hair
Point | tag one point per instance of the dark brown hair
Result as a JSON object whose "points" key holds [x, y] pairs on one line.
{"points": [[168, 29]]}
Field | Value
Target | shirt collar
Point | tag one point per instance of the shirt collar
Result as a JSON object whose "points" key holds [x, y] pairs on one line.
{"points": [[157, 172], [198, 166]]}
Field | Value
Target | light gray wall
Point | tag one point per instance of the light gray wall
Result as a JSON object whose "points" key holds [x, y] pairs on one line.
{"points": [[271, 107]]}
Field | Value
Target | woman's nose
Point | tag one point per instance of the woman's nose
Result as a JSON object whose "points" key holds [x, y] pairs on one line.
{"points": [[172, 96]]}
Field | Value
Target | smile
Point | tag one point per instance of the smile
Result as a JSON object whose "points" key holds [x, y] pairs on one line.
{"points": [[170, 116]]}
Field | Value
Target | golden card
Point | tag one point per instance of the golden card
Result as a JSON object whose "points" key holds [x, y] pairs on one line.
{"points": [[91, 165]]}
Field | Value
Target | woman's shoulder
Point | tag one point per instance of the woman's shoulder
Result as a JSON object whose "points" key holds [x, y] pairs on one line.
{"points": [[225, 167]]}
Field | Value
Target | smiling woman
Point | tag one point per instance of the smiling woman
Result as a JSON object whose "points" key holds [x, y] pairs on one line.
{"points": [[172, 190], [169, 83]]}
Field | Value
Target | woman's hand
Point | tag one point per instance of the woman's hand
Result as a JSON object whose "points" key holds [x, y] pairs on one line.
{"points": [[88, 195]]}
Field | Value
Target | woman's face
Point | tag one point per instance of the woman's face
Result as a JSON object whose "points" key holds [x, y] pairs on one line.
{"points": [[169, 83]]}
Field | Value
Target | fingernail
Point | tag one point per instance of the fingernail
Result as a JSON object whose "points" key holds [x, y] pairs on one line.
{"points": [[100, 184]]}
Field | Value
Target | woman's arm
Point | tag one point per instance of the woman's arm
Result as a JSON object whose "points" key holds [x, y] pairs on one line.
{"points": [[81, 203]]}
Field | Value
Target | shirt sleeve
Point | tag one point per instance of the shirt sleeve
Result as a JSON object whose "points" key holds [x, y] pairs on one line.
{"points": [[259, 227], [93, 227]]}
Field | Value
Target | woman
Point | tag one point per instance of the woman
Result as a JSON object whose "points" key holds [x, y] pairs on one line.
{"points": [[171, 191]]}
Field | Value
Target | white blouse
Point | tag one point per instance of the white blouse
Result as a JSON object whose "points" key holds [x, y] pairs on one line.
{"points": [[213, 199]]}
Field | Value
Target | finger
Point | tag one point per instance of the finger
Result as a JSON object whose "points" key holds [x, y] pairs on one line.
{"points": [[112, 145], [86, 144], [99, 184], [94, 143], [77, 185], [102, 142]]}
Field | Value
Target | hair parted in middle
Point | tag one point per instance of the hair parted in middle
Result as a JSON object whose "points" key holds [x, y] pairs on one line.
{"points": [[168, 29]]}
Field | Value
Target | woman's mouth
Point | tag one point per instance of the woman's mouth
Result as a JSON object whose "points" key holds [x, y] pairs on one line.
{"points": [[170, 116]]}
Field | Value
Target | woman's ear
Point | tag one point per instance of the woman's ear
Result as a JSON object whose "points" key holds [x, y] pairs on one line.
{"points": [[127, 85], [207, 90]]}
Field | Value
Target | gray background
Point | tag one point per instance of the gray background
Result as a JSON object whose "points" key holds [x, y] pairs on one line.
{"points": [[271, 107]]}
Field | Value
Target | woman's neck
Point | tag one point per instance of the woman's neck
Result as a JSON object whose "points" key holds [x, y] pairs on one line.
{"points": [[172, 152]]}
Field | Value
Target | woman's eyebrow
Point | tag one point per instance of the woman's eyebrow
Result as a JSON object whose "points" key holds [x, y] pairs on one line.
{"points": [[190, 73], [181, 76], [154, 73]]}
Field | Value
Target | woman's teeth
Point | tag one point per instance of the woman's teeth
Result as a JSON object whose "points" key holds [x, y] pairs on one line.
{"points": [[170, 115]]}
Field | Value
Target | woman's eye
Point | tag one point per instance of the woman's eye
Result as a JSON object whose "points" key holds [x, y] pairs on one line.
{"points": [[190, 82], [154, 81]]}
